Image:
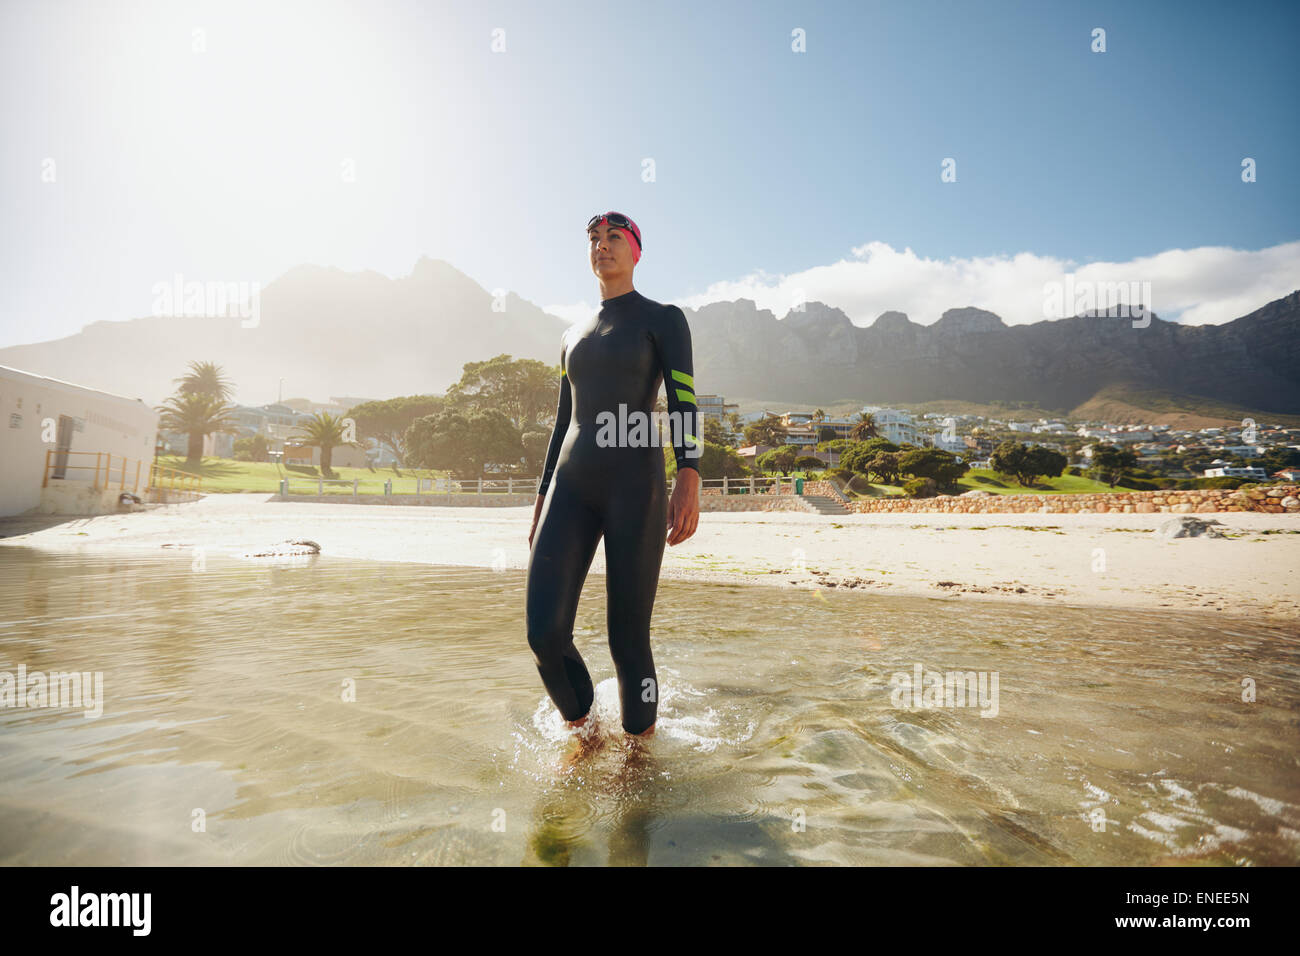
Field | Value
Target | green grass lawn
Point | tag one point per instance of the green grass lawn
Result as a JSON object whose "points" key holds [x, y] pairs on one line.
{"points": [[982, 479], [225, 475], [881, 491]]}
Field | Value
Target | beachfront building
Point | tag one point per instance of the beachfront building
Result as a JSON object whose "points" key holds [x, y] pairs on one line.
{"points": [[257, 419], [1051, 428], [896, 426], [276, 422], [70, 449], [749, 454], [282, 427], [715, 407], [343, 456], [955, 444], [1245, 451], [215, 444], [805, 426], [1227, 471]]}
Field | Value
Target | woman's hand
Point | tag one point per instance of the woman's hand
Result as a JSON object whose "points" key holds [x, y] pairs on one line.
{"points": [[684, 506], [537, 511]]}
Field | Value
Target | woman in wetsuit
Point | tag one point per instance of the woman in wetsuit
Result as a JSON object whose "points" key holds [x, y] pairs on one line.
{"points": [[603, 480]]}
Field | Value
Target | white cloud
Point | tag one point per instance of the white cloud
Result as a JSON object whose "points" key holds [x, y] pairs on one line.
{"points": [[1208, 285]]}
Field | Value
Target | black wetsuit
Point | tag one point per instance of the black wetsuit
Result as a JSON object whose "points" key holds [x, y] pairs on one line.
{"points": [[619, 356]]}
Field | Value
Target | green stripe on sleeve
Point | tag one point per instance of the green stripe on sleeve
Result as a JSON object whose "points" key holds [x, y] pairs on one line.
{"points": [[684, 396], [684, 378]]}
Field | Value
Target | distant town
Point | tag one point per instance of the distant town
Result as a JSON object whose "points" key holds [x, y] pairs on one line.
{"points": [[1253, 451]]}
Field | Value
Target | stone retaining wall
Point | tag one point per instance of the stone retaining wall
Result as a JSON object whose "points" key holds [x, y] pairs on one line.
{"points": [[758, 502], [1277, 499], [821, 487]]}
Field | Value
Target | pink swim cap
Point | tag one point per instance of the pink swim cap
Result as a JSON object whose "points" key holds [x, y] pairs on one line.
{"points": [[633, 235], [636, 246]]}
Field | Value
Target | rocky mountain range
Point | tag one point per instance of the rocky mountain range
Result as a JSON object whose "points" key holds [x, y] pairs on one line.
{"points": [[324, 331], [328, 332], [819, 357]]}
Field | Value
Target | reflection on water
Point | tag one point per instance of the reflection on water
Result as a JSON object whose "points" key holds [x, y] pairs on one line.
{"points": [[227, 735]]}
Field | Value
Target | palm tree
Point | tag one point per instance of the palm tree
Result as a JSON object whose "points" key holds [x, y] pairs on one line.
{"points": [[819, 415], [205, 378], [198, 415], [324, 431], [865, 428]]}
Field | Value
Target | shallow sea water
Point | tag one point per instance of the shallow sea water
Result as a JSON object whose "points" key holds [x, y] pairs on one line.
{"points": [[227, 737]]}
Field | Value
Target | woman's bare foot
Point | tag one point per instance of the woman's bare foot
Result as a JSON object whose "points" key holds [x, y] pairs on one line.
{"points": [[587, 739]]}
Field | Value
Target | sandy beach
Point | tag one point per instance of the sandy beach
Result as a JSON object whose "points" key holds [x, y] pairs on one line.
{"points": [[1078, 560]]}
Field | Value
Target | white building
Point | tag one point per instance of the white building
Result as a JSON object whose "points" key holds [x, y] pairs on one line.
{"points": [[895, 425], [955, 444], [69, 449], [1227, 471]]}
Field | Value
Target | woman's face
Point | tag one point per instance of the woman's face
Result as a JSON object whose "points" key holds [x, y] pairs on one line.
{"points": [[611, 255]]}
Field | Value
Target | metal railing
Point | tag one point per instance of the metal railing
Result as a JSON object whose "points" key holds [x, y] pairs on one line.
{"points": [[419, 485], [777, 485], [109, 468]]}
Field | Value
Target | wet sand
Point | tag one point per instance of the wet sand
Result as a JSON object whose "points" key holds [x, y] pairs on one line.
{"points": [[1105, 561]]}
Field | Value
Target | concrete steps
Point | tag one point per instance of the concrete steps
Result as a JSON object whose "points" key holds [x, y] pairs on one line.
{"points": [[827, 505]]}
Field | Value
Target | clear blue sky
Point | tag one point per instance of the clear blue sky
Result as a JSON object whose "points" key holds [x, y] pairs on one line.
{"points": [[225, 164]]}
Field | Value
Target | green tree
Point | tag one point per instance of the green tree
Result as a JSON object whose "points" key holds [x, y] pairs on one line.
{"points": [[934, 463], [856, 456], [254, 448], [386, 421], [205, 378], [714, 432], [886, 466], [766, 431], [1109, 462], [1025, 463], [715, 461], [778, 459], [1046, 462], [197, 415], [326, 432], [921, 488], [876, 446], [524, 390], [464, 444], [535, 445], [1279, 457], [1008, 459], [865, 428]]}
